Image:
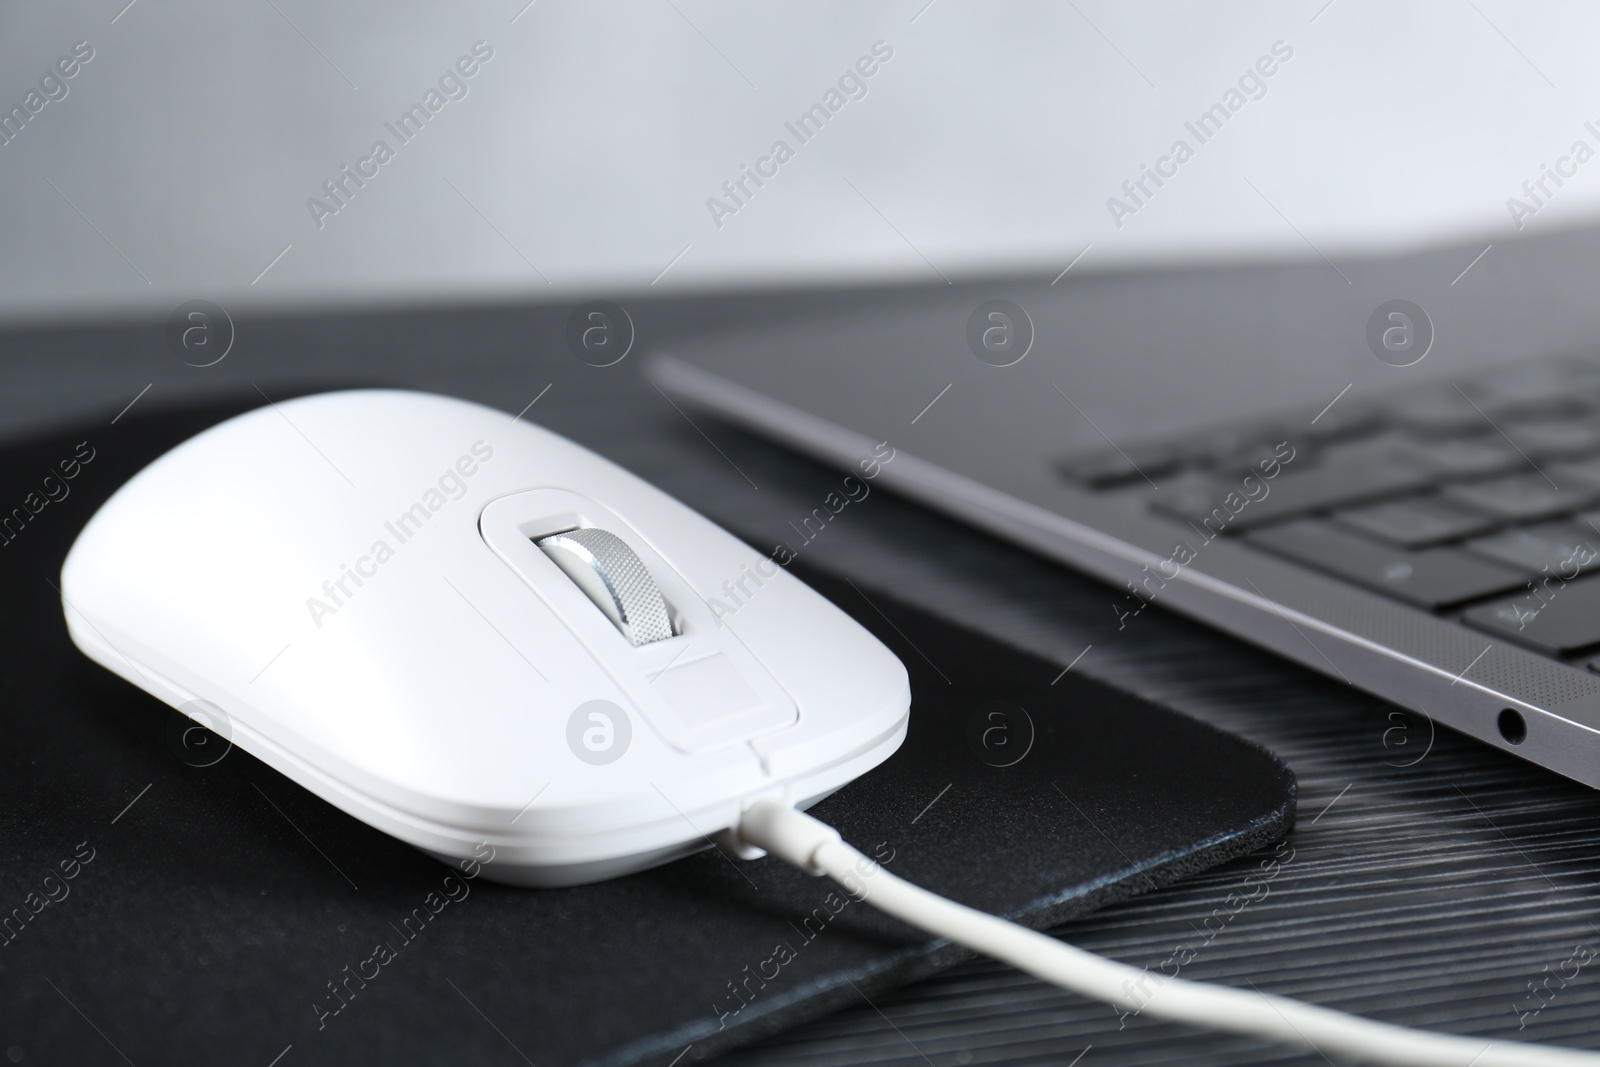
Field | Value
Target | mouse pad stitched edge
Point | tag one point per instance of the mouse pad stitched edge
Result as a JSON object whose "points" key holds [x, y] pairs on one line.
{"points": [[223, 911]]}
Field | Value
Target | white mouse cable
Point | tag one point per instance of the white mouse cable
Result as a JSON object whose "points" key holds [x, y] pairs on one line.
{"points": [[817, 848]]}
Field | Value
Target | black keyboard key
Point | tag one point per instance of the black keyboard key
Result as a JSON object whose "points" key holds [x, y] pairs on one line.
{"points": [[1108, 467], [1205, 445], [1542, 388], [1415, 523], [1230, 450], [1559, 618], [1528, 404], [1586, 471], [1467, 457], [1522, 497], [1220, 504], [1556, 439], [1437, 412], [1558, 548], [1263, 455], [1345, 419], [1431, 578]]}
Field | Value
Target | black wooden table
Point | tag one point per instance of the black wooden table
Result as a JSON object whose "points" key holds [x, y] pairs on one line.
{"points": [[1430, 881]]}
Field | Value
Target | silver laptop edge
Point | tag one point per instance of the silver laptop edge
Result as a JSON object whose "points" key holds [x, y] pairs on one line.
{"points": [[1436, 667]]}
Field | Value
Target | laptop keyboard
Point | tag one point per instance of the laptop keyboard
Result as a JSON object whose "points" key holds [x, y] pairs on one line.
{"points": [[1477, 500]]}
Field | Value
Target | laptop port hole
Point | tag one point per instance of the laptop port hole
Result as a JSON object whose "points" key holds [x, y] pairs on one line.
{"points": [[1513, 727]]}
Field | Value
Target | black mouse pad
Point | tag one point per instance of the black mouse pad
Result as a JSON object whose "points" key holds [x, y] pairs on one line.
{"points": [[172, 901]]}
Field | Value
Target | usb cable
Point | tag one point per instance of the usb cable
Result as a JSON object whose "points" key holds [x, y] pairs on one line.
{"points": [[817, 849]]}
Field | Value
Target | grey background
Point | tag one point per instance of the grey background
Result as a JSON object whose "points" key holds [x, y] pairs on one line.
{"points": [[581, 161]]}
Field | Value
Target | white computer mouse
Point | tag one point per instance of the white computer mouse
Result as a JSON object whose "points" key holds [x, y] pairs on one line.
{"points": [[477, 636]]}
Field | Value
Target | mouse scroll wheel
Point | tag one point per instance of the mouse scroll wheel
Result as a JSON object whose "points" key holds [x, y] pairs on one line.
{"points": [[613, 576]]}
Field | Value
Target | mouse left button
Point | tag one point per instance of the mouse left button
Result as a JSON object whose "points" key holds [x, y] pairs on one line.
{"points": [[613, 576]]}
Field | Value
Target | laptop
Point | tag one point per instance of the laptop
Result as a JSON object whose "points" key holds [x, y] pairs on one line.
{"points": [[1386, 468]]}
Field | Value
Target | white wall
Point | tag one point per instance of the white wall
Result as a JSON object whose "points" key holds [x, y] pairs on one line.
{"points": [[592, 140]]}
